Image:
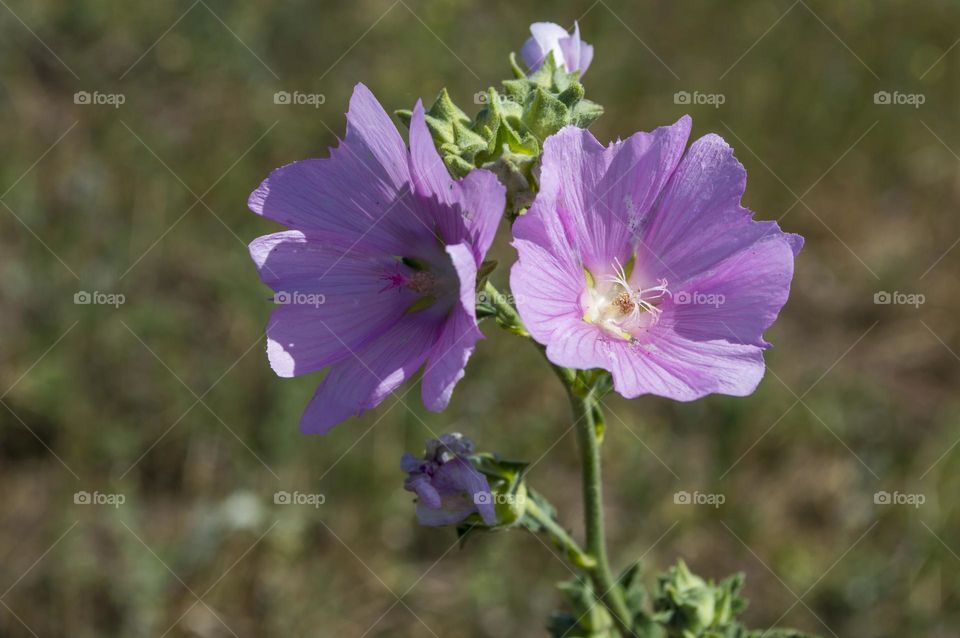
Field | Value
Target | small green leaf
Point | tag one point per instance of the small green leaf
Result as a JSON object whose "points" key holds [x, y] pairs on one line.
{"points": [[544, 114], [572, 94], [515, 67], [584, 113], [483, 273]]}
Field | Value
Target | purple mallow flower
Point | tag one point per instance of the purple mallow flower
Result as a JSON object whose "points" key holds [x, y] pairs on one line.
{"points": [[569, 51], [639, 259], [448, 487], [377, 277]]}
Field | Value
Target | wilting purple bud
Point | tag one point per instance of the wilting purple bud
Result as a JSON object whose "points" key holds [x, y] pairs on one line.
{"points": [[569, 51], [448, 487]]}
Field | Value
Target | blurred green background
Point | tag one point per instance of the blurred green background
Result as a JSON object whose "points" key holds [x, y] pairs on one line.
{"points": [[168, 401]]}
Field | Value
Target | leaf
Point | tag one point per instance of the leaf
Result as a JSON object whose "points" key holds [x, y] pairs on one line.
{"points": [[483, 273], [544, 114], [584, 113], [590, 618]]}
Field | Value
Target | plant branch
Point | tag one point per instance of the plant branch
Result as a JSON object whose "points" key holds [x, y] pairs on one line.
{"points": [[575, 553], [608, 591]]}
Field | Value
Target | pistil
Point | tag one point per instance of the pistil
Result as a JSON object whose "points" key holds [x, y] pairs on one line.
{"points": [[618, 307]]}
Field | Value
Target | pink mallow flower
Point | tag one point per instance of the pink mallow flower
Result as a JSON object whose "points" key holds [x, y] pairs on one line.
{"points": [[569, 51], [640, 260], [377, 277]]}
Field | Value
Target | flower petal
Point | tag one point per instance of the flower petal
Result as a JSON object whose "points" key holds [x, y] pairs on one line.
{"points": [[458, 483], [447, 360], [682, 369], [577, 54], [363, 380], [738, 298], [466, 210], [323, 287], [593, 199], [545, 39], [580, 345], [546, 284], [699, 221], [362, 190], [424, 490]]}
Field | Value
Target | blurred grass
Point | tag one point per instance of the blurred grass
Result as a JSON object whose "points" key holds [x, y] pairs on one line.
{"points": [[113, 406]]}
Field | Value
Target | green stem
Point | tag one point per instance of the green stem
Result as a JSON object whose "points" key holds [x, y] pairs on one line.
{"points": [[606, 588], [575, 553]]}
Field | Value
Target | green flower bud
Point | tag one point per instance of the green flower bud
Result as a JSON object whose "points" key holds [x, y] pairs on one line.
{"points": [[508, 133], [510, 505]]}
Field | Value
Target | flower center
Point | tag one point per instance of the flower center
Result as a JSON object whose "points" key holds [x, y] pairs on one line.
{"points": [[621, 308], [422, 282], [431, 281], [412, 274]]}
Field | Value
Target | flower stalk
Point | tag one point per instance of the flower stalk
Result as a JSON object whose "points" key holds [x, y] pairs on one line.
{"points": [[575, 554], [589, 442]]}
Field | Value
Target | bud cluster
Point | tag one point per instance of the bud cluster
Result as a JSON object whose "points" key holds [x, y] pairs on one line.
{"points": [[508, 133]]}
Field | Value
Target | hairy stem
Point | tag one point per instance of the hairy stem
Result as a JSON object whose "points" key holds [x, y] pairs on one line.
{"points": [[606, 589], [575, 553]]}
